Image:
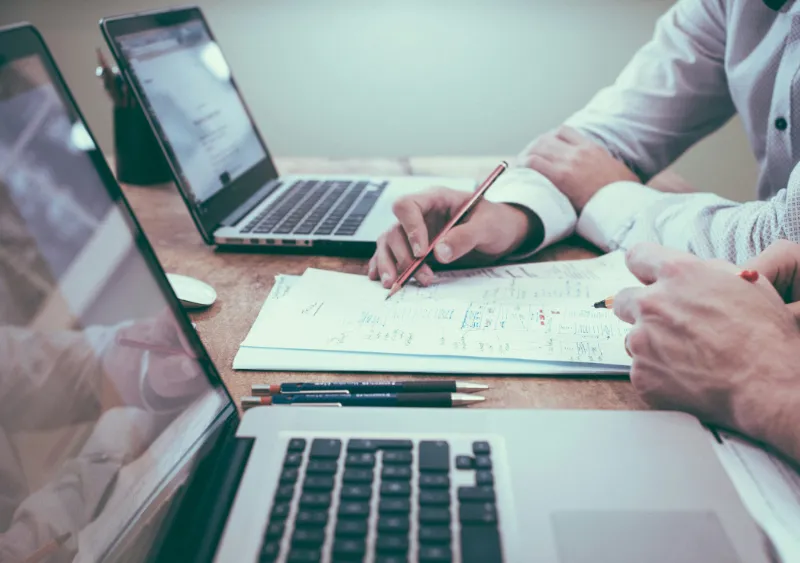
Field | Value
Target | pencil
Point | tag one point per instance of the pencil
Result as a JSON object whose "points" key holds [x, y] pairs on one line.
{"points": [[156, 348], [747, 275], [47, 549], [468, 206]]}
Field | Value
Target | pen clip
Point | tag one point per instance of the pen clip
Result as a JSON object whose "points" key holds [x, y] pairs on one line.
{"points": [[310, 405], [313, 392]]}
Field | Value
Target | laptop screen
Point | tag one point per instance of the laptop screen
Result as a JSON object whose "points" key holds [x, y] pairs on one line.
{"points": [[189, 91], [105, 390]]}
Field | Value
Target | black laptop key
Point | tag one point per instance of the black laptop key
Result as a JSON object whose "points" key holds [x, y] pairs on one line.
{"points": [[351, 528], [395, 444], [349, 547], [394, 505], [280, 511], [399, 457], [288, 476], [483, 462], [305, 556], [275, 530], [464, 462], [311, 519], [324, 448], [353, 509], [480, 544], [321, 467], [392, 543], [435, 554], [433, 497], [320, 483], [356, 492], [391, 558], [395, 489], [315, 500], [400, 472], [354, 446], [360, 460], [355, 476], [434, 534], [270, 552], [293, 460], [285, 492], [393, 524], [434, 481], [434, 456], [434, 515], [477, 513], [481, 448], [308, 537], [484, 478], [476, 494]]}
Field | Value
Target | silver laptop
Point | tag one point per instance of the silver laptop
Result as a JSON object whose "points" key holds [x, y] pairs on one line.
{"points": [[119, 442], [219, 160]]}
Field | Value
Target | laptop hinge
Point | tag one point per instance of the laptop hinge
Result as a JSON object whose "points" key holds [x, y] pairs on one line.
{"points": [[252, 202], [206, 501]]}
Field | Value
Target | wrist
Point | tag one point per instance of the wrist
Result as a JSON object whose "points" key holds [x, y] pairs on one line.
{"points": [[528, 229]]}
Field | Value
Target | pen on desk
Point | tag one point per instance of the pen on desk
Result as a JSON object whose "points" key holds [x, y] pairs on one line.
{"points": [[156, 348], [747, 275], [468, 206], [441, 400], [367, 387]]}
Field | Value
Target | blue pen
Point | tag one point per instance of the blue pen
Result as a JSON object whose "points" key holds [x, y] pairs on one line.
{"points": [[442, 400], [369, 387]]}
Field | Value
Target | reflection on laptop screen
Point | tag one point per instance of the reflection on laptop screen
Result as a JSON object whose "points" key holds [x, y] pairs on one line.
{"points": [[102, 395], [188, 88]]}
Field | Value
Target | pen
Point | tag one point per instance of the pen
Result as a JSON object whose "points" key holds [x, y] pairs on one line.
{"points": [[457, 217], [366, 387], [157, 348], [442, 400], [747, 275]]}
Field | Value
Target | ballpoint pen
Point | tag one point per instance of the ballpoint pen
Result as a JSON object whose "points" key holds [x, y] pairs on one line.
{"points": [[442, 400], [367, 387], [468, 206], [155, 348]]}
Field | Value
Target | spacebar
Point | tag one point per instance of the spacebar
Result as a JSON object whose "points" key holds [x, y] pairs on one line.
{"points": [[480, 544]]}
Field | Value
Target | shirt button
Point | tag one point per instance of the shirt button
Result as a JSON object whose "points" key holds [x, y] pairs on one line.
{"points": [[781, 124]]}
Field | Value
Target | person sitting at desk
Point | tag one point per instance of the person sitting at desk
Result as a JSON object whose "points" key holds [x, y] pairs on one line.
{"points": [[707, 342], [708, 60]]}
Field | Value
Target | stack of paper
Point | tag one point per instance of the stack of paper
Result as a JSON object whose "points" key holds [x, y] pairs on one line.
{"points": [[521, 319]]}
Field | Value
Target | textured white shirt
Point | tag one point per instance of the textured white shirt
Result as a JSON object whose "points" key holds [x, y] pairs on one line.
{"points": [[708, 60]]}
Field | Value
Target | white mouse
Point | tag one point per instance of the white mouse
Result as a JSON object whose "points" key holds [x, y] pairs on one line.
{"points": [[192, 293]]}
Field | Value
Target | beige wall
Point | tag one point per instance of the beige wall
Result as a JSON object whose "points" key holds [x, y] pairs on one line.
{"points": [[400, 77]]}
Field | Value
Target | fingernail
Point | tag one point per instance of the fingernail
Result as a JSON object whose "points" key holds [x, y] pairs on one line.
{"points": [[371, 270], [444, 252], [417, 249], [385, 277]]}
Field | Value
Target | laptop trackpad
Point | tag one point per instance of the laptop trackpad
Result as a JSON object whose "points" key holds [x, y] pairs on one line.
{"points": [[634, 537]]}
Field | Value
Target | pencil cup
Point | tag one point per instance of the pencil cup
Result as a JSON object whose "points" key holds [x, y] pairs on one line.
{"points": [[139, 158]]}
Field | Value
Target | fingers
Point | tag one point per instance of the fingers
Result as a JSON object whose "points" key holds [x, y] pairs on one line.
{"points": [[543, 166], [461, 240], [385, 268], [780, 265], [411, 212], [392, 257], [570, 135], [626, 304], [648, 262]]}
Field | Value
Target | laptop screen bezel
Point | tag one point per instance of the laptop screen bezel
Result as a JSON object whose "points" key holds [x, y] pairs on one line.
{"points": [[208, 216], [24, 40]]}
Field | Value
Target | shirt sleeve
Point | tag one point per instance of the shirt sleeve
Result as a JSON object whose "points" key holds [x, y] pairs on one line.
{"points": [[625, 213], [672, 93]]}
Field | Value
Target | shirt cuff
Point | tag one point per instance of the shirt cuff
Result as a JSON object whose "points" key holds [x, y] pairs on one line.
{"points": [[531, 190], [611, 213]]}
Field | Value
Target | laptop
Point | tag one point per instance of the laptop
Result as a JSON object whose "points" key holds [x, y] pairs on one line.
{"points": [[119, 441], [219, 160]]}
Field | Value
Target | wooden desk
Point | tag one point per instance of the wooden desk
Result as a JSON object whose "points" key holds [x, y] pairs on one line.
{"points": [[243, 280]]}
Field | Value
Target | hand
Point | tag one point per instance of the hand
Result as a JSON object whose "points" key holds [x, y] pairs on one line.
{"points": [[707, 342], [168, 376], [491, 230], [780, 265], [576, 165]]}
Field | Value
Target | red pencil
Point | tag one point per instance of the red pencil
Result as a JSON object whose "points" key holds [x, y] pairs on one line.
{"points": [[459, 215]]}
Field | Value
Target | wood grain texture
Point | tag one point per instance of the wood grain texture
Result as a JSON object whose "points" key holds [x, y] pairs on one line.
{"points": [[243, 281]]}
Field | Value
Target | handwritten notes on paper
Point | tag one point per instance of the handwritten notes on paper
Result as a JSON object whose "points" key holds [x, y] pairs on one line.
{"points": [[488, 316]]}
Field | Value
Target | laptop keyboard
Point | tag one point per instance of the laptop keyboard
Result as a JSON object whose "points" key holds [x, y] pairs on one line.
{"points": [[318, 207], [341, 500]]}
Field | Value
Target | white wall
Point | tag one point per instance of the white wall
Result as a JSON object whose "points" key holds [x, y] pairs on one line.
{"points": [[403, 77]]}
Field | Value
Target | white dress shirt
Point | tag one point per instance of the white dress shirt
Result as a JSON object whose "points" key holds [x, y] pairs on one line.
{"points": [[708, 60]]}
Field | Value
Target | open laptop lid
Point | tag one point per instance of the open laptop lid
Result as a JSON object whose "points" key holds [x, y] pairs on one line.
{"points": [[106, 393], [179, 75]]}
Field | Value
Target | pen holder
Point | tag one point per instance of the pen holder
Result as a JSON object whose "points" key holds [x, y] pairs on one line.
{"points": [[139, 159]]}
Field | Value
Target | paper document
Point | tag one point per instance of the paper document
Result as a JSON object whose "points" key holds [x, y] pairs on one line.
{"points": [[527, 319]]}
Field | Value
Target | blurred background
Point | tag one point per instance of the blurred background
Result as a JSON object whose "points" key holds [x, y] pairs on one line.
{"points": [[370, 78]]}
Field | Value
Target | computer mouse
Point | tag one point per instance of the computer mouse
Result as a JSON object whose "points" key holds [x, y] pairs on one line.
{"points": [[192, 293]]}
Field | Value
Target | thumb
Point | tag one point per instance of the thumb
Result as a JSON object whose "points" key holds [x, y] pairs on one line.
{"points": [[461, 240], [794, 309]]}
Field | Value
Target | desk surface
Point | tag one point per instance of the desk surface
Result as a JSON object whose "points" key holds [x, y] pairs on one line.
{"points": [[243, 281]]}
